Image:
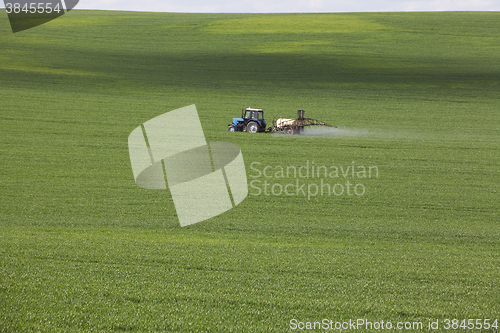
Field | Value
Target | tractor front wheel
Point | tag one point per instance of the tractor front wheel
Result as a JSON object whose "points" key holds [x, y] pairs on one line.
{"points": [[231, 128], [252, 127]]}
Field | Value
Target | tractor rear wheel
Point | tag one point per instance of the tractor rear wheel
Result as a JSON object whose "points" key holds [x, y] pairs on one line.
{"points": [[252, 127]]}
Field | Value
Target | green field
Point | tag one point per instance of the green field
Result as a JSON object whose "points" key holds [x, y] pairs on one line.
{"points": [[83, 249]]}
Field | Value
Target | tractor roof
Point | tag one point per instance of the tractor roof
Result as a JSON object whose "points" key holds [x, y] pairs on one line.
{"points": [[250, 109]]}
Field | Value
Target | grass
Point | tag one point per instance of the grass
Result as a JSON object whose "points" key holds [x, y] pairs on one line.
{"points": [[82, 248]]}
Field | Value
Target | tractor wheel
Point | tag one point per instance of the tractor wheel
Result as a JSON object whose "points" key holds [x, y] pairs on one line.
{"points": [[288, 130], [252, 127], [231, 128]]}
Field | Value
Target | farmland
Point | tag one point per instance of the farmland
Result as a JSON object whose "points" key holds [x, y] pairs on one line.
{"points": [[83, 249]]}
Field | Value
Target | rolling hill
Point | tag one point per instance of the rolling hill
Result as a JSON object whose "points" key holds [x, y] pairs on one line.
{"points": [[415, 95]]}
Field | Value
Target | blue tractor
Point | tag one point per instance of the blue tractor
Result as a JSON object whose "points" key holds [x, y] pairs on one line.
{"points": [[252, 120]]}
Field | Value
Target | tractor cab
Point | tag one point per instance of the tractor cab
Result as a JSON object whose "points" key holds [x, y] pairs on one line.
{"points": [[252, 120], [252, 114]]}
